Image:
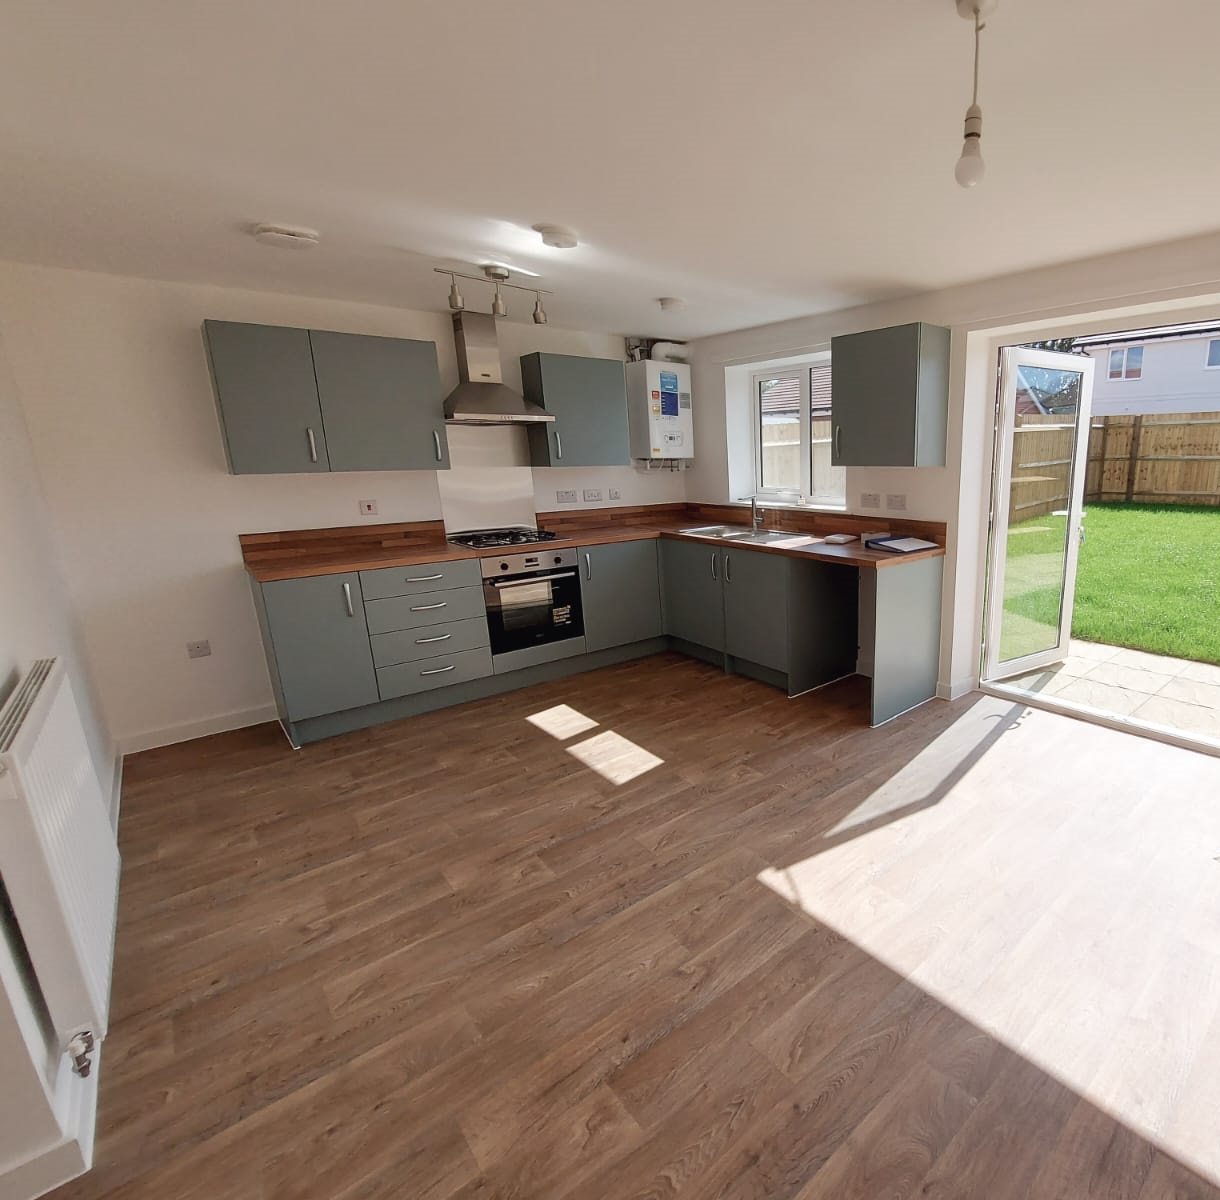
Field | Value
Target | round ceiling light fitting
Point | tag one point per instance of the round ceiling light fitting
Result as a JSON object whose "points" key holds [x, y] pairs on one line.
{"points": [[559, 236], [270, 233]]}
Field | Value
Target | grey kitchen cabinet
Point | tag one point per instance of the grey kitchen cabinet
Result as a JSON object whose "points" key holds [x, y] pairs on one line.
{"points": [[756, 607], [319, 644], [381, 402], [588, 397], [691, 575], [425, 608], [890, 397], [621, 593], [422, 577], [309, 400], [267, 397]]}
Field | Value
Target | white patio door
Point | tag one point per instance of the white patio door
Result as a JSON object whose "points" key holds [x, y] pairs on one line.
{"points": [[1037, 505]]}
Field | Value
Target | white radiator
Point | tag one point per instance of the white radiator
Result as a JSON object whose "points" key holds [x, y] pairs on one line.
{"points": [[58, 856]]}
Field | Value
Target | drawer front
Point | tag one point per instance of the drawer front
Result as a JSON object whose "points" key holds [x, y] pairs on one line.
{"points": [[429, 641], [405, 679], [426, 608], [427, 577]]}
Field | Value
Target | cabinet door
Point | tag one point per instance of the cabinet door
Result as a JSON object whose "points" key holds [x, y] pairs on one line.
{"points": [[756, 607], [621, 591], [693, 600], [267, 397], [321, 644], [382, 402], [890, 396], [589, 399]]}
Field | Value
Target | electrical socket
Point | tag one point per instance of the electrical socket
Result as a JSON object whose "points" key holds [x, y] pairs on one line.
{"points": [[368, 508], [566, 496], [593, 494], [896, 502], [198, 649], [870, 499], [615, 494]]}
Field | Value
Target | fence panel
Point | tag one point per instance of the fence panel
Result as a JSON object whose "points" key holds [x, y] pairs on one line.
{"points": [[1161, 458]]}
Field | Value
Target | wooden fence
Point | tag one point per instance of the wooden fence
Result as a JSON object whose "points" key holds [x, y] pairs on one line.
{"points": [[1161, 458]]}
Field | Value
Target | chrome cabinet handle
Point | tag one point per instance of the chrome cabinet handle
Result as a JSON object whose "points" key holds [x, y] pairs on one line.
{"points": [[588, 567], [728, 568], [558, 445], [838, 441], [436, 441], [440, 670], [429, 607], [444, 637], [422, 578], [713, 562], [347, 599], [313, 445]]}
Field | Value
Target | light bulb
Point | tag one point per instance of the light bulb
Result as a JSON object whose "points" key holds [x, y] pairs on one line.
{"points": [[970, 167]]}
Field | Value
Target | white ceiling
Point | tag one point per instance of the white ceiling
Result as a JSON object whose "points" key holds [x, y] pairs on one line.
{"points": [[762, 160]]}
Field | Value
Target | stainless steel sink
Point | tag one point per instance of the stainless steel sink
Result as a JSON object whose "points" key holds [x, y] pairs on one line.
{"points": [[740, 533]]}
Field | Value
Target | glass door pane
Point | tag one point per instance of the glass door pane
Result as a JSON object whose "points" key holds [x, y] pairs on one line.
{"points": [[1039, 491]]}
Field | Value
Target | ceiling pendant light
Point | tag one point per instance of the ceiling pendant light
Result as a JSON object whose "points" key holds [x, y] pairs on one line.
{"points": [[496, 274], [540, 317], [457, 301], [498, 307], [970, 167]]}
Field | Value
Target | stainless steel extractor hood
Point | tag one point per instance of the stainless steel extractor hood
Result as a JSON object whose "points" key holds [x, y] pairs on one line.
{"points": [[482, 398]]}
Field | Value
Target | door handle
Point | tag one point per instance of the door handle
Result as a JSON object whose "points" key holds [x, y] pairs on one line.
{"points": [[588, 567], [436, 442], [444, 637], [440, 670], [712, 560], [429, 607], [728, 568], [838, 441], [313, 445], [558, 445], [347, 599]]}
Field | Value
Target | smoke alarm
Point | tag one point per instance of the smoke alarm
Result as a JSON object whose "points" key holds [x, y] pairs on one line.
{"points": [[285, 235], [559, 236]]}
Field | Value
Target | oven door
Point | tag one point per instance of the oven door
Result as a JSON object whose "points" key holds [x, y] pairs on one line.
{"points": [[531, 610]]}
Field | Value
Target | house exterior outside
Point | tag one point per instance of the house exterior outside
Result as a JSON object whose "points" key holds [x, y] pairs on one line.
{"points": [[1170, 370]]}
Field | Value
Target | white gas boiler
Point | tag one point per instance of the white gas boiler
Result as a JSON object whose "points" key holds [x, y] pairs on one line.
{"points": [[659, 410]]}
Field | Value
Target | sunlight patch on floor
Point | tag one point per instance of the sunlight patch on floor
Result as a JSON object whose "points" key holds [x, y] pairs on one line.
{"points": [[1056, 884], [562, 721], [614, 757]]}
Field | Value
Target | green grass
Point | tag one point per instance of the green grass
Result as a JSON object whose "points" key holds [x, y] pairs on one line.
{"points": [[1148, 577]]}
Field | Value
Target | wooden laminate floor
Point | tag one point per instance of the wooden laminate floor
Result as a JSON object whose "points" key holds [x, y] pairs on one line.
{"points": [[655, 932]]}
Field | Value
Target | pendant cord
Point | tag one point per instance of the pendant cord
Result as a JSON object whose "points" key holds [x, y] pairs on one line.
{"points": [[978, 28]]}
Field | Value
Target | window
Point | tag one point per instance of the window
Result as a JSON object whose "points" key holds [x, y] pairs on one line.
{"points": [[793, 431], [1127, 362], [1213, 353]]}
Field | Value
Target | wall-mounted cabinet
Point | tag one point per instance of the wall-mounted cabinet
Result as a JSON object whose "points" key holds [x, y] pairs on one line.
{"points": [[300, 400], [890, 397], [588, 397]]}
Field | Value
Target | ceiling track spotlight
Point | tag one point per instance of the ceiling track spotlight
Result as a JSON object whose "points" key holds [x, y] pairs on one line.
{"points": [[970, 168], [498, 275]]}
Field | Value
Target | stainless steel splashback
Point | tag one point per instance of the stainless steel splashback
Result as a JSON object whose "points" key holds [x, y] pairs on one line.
{"points": [[489, 482]]}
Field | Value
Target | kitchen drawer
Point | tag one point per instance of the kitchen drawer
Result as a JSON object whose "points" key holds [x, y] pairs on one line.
{"points": [[426, 608], [426, 577], [429, 641], [405, 679]]}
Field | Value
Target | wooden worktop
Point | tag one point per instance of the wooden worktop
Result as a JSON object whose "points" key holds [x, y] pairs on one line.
{"points": [[293, 554]]}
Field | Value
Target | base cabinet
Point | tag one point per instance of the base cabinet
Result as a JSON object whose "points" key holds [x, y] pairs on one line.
{"points": [[620, 588], [320, 656], [691, 583]]}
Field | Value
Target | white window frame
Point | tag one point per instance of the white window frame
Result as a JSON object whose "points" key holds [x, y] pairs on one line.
{"points": [[1124, 351], [1210, 366], [800, 372]]}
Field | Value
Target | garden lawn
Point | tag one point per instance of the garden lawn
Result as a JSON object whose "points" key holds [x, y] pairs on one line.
{"points": [[1148, 577]]}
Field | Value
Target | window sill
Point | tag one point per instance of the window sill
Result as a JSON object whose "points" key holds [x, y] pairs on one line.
{"points": [[793, 505]]}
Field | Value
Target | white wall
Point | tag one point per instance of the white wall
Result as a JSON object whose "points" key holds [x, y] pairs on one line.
{"points": [[1099, 294], [115, 388], [1174, 378]]}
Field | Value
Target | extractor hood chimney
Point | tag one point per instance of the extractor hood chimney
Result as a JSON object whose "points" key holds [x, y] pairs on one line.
{"points": [[482, 397]]}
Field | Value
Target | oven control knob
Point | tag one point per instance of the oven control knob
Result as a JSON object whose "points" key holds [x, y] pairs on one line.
{"points": [[504, 566], [558, 559]]}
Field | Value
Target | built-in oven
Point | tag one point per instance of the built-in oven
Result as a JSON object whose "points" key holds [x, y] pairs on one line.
{"points": [[532, 599]]}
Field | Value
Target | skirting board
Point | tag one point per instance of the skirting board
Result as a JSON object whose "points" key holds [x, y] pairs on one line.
{"points": [[955, 691], [189, 730]]}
